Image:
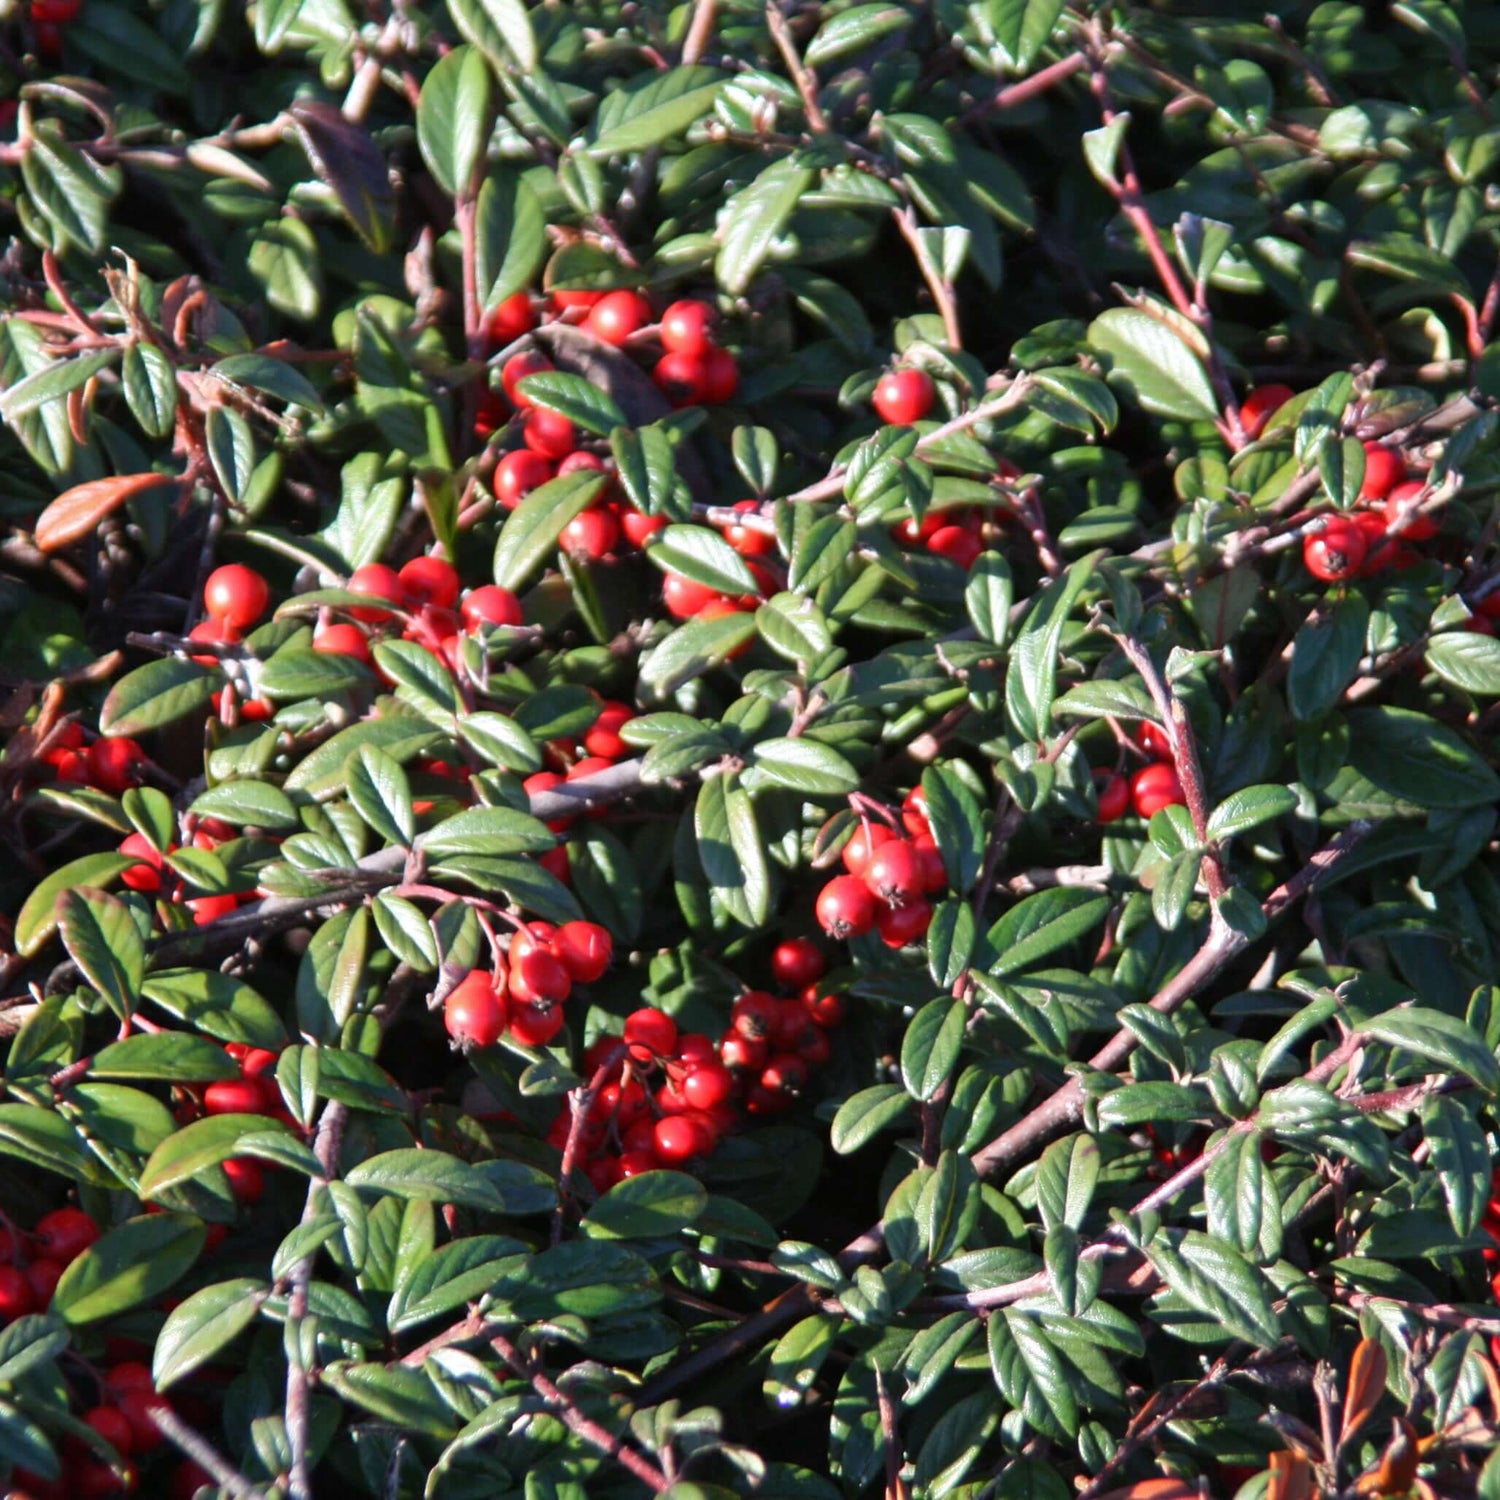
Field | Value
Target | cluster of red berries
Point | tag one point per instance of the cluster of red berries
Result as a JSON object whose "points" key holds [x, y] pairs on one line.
{"points": [[1148, 790], [522, 995], [30, 1264], [893, 867], [109, 765], [669, 1097], [1380, 533], [693, 370], [151, 875]]}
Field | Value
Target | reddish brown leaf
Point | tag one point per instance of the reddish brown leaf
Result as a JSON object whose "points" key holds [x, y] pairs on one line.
{"points": [[1153, 1489], [1367, 1373], [1291, 1477], [1397, 1470], [76, 512]]}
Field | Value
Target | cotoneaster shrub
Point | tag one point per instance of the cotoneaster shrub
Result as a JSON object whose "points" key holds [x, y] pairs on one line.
{"points": [[749, 750]]}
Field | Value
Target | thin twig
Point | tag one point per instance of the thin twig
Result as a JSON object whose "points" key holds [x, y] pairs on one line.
{"points": [[938, 284], [202, 1452], [801, 74]]}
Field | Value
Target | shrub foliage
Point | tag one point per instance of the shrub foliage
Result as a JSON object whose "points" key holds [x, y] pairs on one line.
{"points": [[899, 895]]}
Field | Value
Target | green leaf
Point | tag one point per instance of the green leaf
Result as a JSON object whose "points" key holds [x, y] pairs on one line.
{"points": [[202, 1325], [1438, 1038], [1021, 28], [168, 1055], [1326, 653], [53, 382], [529, 535], [501, 741], [1213, 1277], [157, 694], [381, 794], [730, 850], [1461, 1157], [1031, 680], [958, 825], [31, 1340], [1468, 660], [988, 597], [428, 1177], [301, 672], [862, 1116], [1154, 365], [1419, 760], [203, 1144], [218, 1004], [1249, 808], [37, 920], [931, 1047], [650, 1205], [488, 830], [853, 30], [753, 219], [150, 383], [454, 116], [653, 108], [102, 938], [132, 1263], [1065, 1180], [804, 765], [510, 234], [1041, 924], [45, 1140], [284, 259], [249, 802], [580, 400], [702, 555], [793, 1367], [695, 647], [1240, 1194], [951, 937], [486, 22], [793, 626], [825, 547]]}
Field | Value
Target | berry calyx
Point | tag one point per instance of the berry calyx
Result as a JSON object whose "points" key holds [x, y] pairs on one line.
{"points": [[1336, 552]]}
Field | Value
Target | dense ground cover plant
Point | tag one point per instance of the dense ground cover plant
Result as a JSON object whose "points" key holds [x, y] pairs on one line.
{"points": [[749, 749]]}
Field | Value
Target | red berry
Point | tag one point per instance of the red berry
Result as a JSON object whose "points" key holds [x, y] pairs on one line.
{"points": [[721, 376], [1384, 469], [797, 963], [1335, 552], [684, 598], [707, 1085], [430, 580], [813, 1046], [633, 1163], [258, 1061], [136, 1407], [603, 737], [145, 876], [549, 433], [1418, 528], [866, 839], [914, 812], [538, 978], [112, 1426], [246, 1180], [1258, 406], [239, 1096], [743, 1052], [64, 1234], [93, 1479], [1153, 788], [894, 873], [474, 1011], [651, 1033], [1155, 741], [957, 543], [129, 1375], [236, 595], [934, 872], [535, 1025], [16, 1299], [593, 535], [638, 526], [585, 949], [825, 1011], [686, 327], [904, 396], [490, 605], [114, 764], [845, 907], [213, 632], [512, 318], [580, 461], [1114, 795], [754, 1014], [55, 12], [900, 925], [683, 378], [676, 1139], [784, 1073], [516, 369], [745, 540], [342, 640], [208, 909], [563, 300], [379, 582], [614, 317], [42, 1276], [518, 474], [188, 1478]]}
